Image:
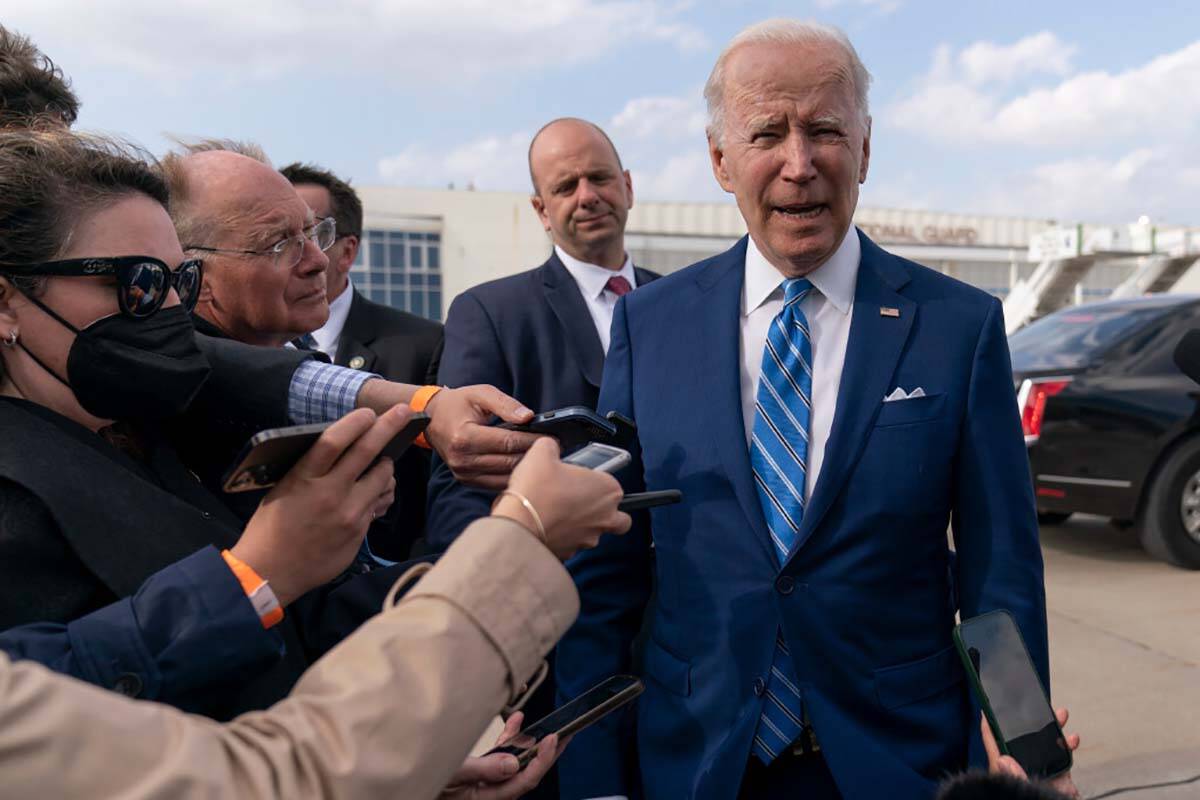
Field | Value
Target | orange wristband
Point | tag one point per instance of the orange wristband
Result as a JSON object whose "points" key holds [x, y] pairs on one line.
{"points": [[257, 590], [418, 403]]}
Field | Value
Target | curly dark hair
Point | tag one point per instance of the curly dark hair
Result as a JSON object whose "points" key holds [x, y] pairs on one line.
{"points": [[33, 90]]}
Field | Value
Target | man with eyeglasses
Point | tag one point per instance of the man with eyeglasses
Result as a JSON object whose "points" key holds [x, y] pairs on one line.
{"points": [[263, 249]]}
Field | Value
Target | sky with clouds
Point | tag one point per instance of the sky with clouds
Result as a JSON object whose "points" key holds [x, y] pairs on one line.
{"points": [[1081, 110]]}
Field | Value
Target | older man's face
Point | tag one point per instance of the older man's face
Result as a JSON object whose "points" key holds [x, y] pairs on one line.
{"points": [[258, 299], [794, 150]]}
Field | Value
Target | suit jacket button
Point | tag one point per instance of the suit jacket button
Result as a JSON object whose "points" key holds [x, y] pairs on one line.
{"points": [[357, 362], [128, 684], [760, 686], [785, 584]]}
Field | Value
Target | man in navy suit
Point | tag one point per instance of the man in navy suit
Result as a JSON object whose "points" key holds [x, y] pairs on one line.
{"points": [[541, 335], [828, 410]]}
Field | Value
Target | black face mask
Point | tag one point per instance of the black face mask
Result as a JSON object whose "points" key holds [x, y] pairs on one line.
{"points": [[135, 370]]}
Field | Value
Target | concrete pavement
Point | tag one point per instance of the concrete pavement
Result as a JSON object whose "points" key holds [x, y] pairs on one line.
{"points": [[1125, 658]]}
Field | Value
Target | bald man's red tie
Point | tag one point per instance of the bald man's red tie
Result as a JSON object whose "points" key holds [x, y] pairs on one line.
{"points": [[618, 286]]}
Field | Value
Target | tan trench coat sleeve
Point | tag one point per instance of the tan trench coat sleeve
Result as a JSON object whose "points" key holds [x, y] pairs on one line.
{"points": [[391, 712]]}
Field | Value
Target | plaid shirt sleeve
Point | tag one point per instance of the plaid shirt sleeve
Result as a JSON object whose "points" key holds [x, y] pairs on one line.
{"points": [[322, 392]]}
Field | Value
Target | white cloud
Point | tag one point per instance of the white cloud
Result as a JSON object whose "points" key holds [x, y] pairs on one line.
{"points": [[660, 138], [684, 177], [408, 40], [495, 162], [1144, 180], [963, 100], [984, 62], [660, 118]]}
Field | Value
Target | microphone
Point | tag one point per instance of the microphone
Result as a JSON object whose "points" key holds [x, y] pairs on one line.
{"points": [[1187, 354]]}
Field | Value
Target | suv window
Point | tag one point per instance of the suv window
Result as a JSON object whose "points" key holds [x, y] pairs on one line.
{"points": [[1073, 338]]}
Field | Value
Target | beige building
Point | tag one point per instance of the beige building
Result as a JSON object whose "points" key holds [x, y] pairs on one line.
{"points": [[424, 246]]}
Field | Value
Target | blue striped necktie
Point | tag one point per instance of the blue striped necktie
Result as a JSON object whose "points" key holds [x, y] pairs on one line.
{"points": [[779, 456]]}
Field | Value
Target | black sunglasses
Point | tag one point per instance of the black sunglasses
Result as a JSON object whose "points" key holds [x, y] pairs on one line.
{"points": [[142, 281]]}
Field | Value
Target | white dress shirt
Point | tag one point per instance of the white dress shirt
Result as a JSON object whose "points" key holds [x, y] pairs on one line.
{"points": [[591, 279], [330, 334], [828, 310]]}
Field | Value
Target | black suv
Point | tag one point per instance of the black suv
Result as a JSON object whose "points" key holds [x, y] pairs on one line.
{"points": [[1111, 424]]}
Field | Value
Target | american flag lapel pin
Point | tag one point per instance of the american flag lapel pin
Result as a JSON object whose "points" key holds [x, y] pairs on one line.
{"points": [[887, 311]]}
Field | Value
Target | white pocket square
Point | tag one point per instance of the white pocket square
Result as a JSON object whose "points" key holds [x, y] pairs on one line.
{"points": [[900, 394]]}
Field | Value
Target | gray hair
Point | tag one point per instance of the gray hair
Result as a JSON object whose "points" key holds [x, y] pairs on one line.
{"points": [[190, 147], [783, 31], [194, 225]]}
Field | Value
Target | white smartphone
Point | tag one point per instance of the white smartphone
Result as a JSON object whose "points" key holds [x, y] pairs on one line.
{"points": [[602, 457]]}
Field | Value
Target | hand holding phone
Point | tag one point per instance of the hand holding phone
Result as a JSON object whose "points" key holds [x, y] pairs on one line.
{"points": [[1011, 693], [575, 505], [270, 454], [594, 704], [309, 526]]}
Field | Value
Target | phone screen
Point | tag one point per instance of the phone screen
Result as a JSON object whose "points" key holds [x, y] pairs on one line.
{"points": [[562, 717], [592, 456], [1014, 693]]}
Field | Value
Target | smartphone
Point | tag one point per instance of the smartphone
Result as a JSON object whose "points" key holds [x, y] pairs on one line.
{"points": [[640, 500], [572, 426], [576, 715], [269, 454], [626, 429], [1011, 694], [602, 457]]}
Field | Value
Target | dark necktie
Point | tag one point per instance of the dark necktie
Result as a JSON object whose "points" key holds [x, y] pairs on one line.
{"points": [[618, 286], [305, 342]]}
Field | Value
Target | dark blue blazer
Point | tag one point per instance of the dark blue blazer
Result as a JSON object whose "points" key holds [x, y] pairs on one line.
{"points": [[864, 599], [529, 335], [163, 642]]}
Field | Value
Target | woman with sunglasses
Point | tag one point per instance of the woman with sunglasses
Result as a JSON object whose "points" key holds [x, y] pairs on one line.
{"points": [[96, 352]]}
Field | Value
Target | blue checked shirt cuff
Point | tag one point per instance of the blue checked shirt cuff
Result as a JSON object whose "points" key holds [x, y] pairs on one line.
{"points": [[322, 392]]}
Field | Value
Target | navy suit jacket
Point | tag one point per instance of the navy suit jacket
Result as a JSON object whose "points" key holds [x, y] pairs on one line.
{"points": [[864, 598], [529, 335]]}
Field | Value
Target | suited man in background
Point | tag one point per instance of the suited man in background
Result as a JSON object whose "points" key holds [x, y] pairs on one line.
{"points": [[364, 335], [827, 409], [541, 335]]}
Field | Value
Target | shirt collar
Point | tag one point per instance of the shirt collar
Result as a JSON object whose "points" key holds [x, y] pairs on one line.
{"points": [[592, 278], [339, 310], [835, 279]]}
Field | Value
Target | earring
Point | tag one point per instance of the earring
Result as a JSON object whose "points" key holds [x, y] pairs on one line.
{"points": [[11, 339]]}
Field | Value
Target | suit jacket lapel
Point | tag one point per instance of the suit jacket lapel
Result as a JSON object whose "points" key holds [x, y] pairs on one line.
{"points": [[356, 336], [567, 303], [720, 318], [872, 354]]}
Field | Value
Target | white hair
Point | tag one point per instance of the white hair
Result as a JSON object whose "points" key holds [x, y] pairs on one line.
{"points": [[783, 31]]}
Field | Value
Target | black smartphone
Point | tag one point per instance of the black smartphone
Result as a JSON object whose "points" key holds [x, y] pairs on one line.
{"points": [[269, 454], [573, 426], [639, 500], [626, 429], [1011, 694], [576, 715]]}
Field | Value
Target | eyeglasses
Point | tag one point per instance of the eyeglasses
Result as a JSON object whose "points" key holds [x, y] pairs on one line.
{"points": [[289, 251], [142, 281]]}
